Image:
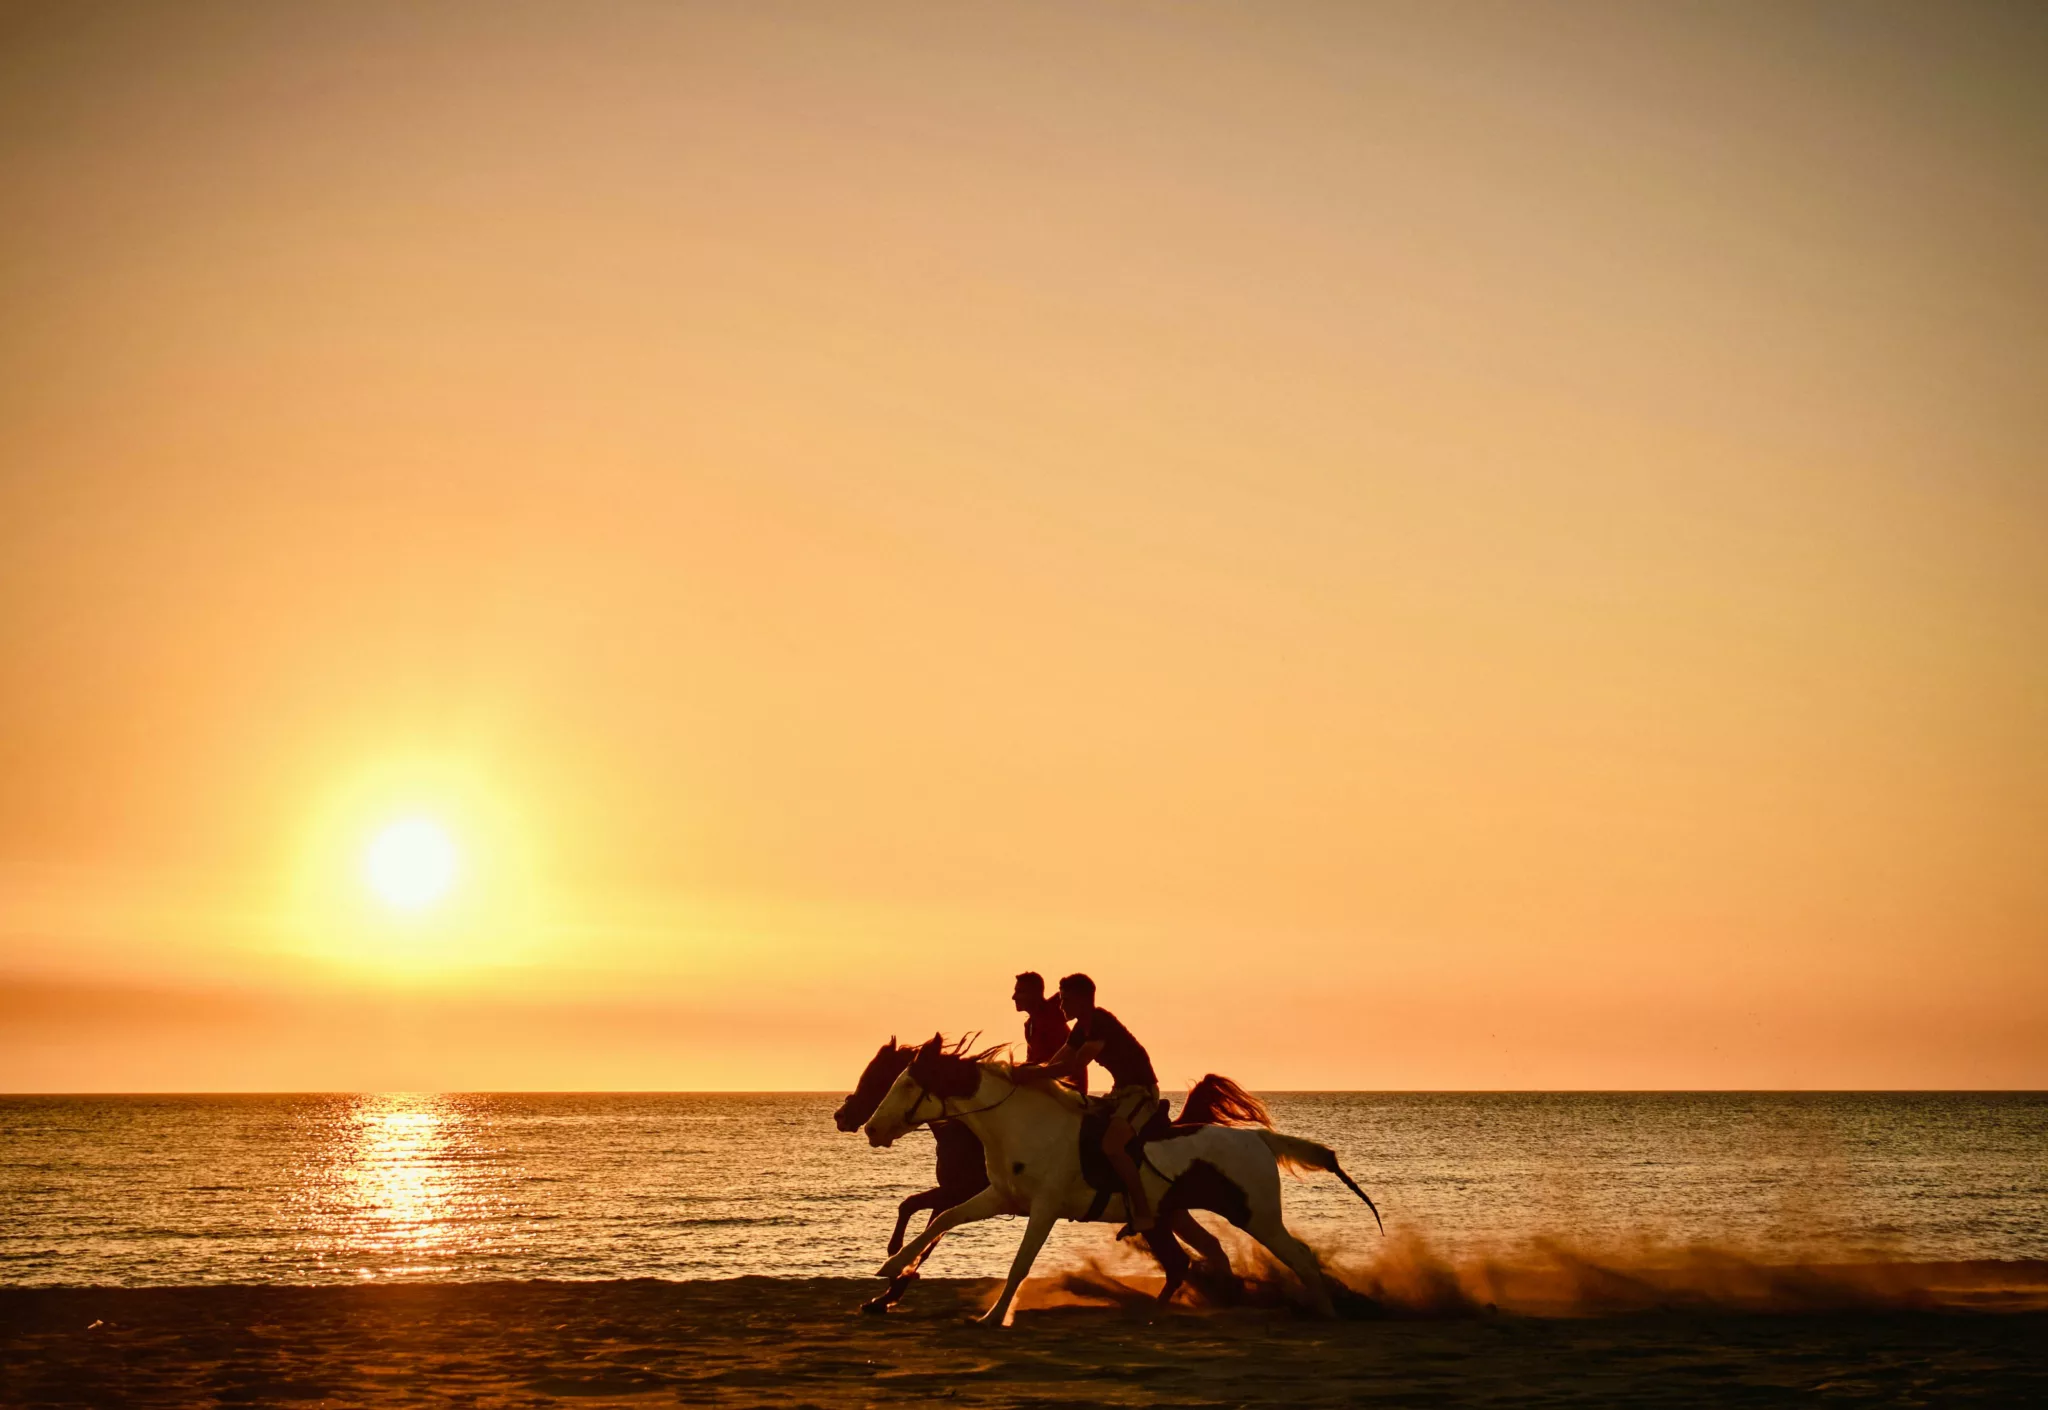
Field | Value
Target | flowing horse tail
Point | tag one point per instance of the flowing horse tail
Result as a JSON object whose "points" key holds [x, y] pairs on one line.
{"points": [[1307, 1155]]}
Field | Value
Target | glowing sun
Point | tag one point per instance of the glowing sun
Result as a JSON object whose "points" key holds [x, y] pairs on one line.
{"points": [[411, 864]]}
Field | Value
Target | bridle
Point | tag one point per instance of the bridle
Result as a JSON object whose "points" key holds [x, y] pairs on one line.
{"points": [[944, 1115]]}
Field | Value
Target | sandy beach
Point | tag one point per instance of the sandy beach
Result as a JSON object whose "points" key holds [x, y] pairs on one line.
{"points": [[1079, 1342]]}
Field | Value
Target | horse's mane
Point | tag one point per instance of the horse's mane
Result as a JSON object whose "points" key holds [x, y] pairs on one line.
{"points": [[1218, 1101], [1059, 1091], [963, 1047], [961, 1052], [952, 1069]]}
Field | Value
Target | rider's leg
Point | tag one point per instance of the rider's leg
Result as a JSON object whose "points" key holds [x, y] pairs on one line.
{"points": [[1116, 1144]]}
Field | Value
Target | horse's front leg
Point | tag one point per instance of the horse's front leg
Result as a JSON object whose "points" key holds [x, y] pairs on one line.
{"points": [[888, 1297], [929, 1199], [909, 1274], [918, 1262], [985, 1205], [1044, 1215]]}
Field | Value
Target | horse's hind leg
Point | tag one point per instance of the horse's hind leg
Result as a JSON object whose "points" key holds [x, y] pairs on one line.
{"points": [[1299, 1257], [1208, 1248], [1212, 1272], [1172, 1258]]}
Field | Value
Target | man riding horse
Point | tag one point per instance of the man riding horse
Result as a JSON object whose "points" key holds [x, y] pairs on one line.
{"points": [[1099, 1036], [1045, 1020], [1032, 1136]]}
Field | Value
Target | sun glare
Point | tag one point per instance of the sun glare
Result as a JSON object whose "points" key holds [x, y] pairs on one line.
{"points": [[411, 864], [416, 867]]}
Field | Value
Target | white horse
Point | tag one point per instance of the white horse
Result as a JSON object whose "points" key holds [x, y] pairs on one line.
{"points": [[1032, 1137]]}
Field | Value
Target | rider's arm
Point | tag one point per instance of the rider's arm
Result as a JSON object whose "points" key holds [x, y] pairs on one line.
{"points": [[1069, 1061]]}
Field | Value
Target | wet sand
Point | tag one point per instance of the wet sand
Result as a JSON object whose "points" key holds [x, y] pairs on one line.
{"points": [[795, 1342]]}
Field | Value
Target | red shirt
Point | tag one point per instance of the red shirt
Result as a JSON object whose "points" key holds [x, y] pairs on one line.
{"points": [[1045, 1030]]}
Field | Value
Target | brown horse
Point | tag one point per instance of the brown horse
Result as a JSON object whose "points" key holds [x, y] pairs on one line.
{"points": [[963, 1173]]}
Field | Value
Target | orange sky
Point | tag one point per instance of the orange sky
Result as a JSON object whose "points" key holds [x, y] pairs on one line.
{"points": [[1425, 546]]}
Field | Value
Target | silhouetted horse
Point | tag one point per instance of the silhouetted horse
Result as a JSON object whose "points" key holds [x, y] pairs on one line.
{"points": [[963, 1172], [1031, 1133]]}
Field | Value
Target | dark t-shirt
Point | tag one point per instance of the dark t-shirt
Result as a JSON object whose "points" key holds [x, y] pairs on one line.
{"points": [[1045, 1031], [1122, 1056]]}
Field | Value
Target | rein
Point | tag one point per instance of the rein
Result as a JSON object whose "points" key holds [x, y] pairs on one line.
{"points": [[944, 1115]]}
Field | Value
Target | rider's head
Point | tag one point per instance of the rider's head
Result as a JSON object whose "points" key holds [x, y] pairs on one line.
{"points": [[1030, 991], [1077, 995]]}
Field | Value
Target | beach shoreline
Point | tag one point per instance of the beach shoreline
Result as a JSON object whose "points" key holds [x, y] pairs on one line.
{"points": [[801, 1341]]}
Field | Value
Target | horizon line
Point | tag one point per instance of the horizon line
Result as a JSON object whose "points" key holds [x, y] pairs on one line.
{"points": [[834, 1091]]}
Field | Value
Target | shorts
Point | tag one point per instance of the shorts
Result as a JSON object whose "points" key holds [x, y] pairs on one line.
{"points": [[1134, 1103]]}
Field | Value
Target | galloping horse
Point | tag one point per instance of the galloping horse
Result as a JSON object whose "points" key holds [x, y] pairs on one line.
{"points": [[1031, 1135], [963, 1173]]}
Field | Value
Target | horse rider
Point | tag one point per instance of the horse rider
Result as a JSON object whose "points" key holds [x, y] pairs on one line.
{"points": [[1045, 1022], [1099, 1036]]}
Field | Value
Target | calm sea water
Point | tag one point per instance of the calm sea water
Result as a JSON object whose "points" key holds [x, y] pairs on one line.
{"points": [[310, 1189]]}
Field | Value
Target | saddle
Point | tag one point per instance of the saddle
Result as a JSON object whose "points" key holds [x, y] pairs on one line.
{"points": [[1095, 1166]]}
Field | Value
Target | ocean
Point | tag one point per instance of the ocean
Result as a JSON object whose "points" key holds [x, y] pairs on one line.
{"points": [[175, 1190]]}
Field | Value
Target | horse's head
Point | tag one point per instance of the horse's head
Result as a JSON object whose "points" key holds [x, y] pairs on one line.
{"points": [[934, 1071], [885, 1067]]}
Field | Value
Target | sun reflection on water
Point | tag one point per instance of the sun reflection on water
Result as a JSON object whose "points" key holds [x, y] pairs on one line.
{"points": [[400, 1179], [171, 1191], [403, 1188]]}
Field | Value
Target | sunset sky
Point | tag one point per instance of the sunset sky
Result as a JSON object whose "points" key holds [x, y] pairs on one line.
{"points": [[1425, 546]]}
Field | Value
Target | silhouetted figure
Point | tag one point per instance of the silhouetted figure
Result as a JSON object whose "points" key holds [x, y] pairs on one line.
{"points": [[1045, 1022], [1099, 1036], [963, 1173]]}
